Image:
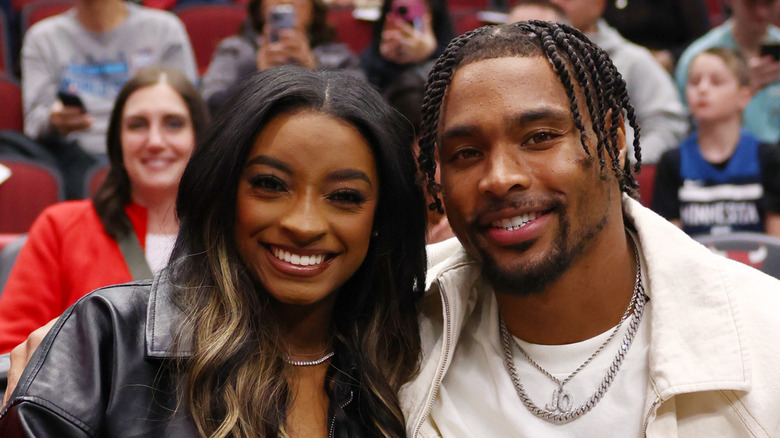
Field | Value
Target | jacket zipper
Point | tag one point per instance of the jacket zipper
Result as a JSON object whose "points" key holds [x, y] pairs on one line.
{"points": [[440, 371], [647, 417], [332, 428]]}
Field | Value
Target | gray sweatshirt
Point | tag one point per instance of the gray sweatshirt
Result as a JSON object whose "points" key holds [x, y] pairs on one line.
{"points": [[58, 53]]}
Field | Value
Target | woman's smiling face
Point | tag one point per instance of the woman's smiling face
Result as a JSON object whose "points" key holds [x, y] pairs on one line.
{"points": [[305, 206]]}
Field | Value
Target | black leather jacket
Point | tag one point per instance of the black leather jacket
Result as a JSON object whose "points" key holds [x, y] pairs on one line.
{"points": [[103, 370]]}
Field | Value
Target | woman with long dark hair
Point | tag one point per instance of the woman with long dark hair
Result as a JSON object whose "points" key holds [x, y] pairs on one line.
{"points": [[288, 308]]}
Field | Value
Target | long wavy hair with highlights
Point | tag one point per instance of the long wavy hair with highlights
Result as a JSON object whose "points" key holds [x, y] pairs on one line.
{"points": [[236, 380]]}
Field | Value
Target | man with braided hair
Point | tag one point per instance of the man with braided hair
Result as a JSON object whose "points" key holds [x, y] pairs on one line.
{"points": [[564, 307]]}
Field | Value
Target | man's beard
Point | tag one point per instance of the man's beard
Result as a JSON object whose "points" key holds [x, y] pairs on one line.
{"points": [[533, 278]]}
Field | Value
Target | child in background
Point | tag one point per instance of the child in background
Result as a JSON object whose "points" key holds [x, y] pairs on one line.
{"points": [[721, 179]]}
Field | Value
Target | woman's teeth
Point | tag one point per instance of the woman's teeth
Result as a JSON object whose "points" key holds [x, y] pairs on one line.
{"points": [[297, 259]]}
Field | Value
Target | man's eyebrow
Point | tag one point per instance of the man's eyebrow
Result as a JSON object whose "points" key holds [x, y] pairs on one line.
{"points": [[269, 161], [458, 131], [552, 114]]}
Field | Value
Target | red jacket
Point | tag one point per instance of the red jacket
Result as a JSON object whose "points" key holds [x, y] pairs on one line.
{"points": [[67, 255]]}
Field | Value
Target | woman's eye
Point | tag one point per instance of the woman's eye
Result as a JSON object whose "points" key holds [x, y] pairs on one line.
{"points": [[174, 122], [352, 197], [135, 125], [267, 182]]}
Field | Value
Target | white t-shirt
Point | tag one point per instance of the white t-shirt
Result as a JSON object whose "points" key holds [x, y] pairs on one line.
{"points": [[158, 250], [477, 397]]}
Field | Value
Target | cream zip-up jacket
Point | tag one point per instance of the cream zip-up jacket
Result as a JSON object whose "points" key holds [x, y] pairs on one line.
{"points": [[714, 343]]}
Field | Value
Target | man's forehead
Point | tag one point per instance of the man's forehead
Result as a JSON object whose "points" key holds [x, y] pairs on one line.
{"points": [[511, 81]]}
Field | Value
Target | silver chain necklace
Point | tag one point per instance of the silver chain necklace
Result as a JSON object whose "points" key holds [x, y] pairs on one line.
{"points": [[559, 410], [308, 363]]}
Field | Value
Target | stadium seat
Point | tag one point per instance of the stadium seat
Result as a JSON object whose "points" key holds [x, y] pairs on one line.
{"points": [[758, 250], [94, 179], [646, 180], [207, 25], [355, 33], [8, 255], [11, 115], [35, 11], [465, 21], [31, 187], [6, 238]]}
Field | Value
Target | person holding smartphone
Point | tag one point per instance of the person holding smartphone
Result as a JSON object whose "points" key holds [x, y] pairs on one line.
{"points": [[747, 30], [277, 32], [75, 63], [408, 37]]}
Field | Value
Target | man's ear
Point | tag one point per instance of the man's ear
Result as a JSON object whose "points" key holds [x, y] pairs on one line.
{"points": [[621, 137]]}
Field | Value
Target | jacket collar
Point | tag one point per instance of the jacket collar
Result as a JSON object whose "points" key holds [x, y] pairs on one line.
{"points": [[696, 336], [163, 321]]}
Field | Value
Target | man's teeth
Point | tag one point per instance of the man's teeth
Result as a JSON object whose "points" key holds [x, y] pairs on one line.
{"points": [[515, 222], [297, 259]]}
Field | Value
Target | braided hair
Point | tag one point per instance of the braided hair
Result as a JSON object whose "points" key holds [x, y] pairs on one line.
{"points": [[573, 58]]}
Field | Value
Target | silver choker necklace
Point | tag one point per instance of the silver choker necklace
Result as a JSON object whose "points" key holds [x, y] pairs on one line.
{"points": [[308, 363], [560, 409]]}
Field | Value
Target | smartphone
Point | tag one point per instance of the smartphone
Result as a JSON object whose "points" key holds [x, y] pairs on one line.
{"points": [[410, 11], [70, 99], [772, 50], [280, 17]]}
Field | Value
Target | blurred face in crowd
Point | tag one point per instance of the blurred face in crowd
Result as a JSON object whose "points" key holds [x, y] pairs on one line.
{"points": [[157, 140], [583, 14], [755, 15], [305, 206], [713, 91]]}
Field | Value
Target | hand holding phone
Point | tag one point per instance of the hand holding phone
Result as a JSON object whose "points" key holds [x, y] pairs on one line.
{"points": [[280, 17], [772, 50], [411, 11], [72, 100]]}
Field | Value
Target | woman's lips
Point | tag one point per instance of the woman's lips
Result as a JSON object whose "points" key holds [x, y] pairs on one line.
{"points": [[299, 264]]}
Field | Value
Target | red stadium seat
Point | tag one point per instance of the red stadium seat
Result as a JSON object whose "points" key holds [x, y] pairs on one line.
{"points": [[11, 115], [356, 34], [35, 11], [207, 25], [6, 238], [30, 188], [646, 180], [465, 21], [95, 178]]}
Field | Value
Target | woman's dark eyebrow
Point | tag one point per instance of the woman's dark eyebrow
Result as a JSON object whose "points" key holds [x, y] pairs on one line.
{"points": [[269, 161], [347, 174]]}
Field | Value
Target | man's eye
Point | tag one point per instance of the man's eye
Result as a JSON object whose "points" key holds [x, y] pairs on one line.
{"points": [[541, 137], [465, 154]]}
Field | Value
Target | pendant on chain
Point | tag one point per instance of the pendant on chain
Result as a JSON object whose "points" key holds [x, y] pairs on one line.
{"points": [[561, 401]]}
